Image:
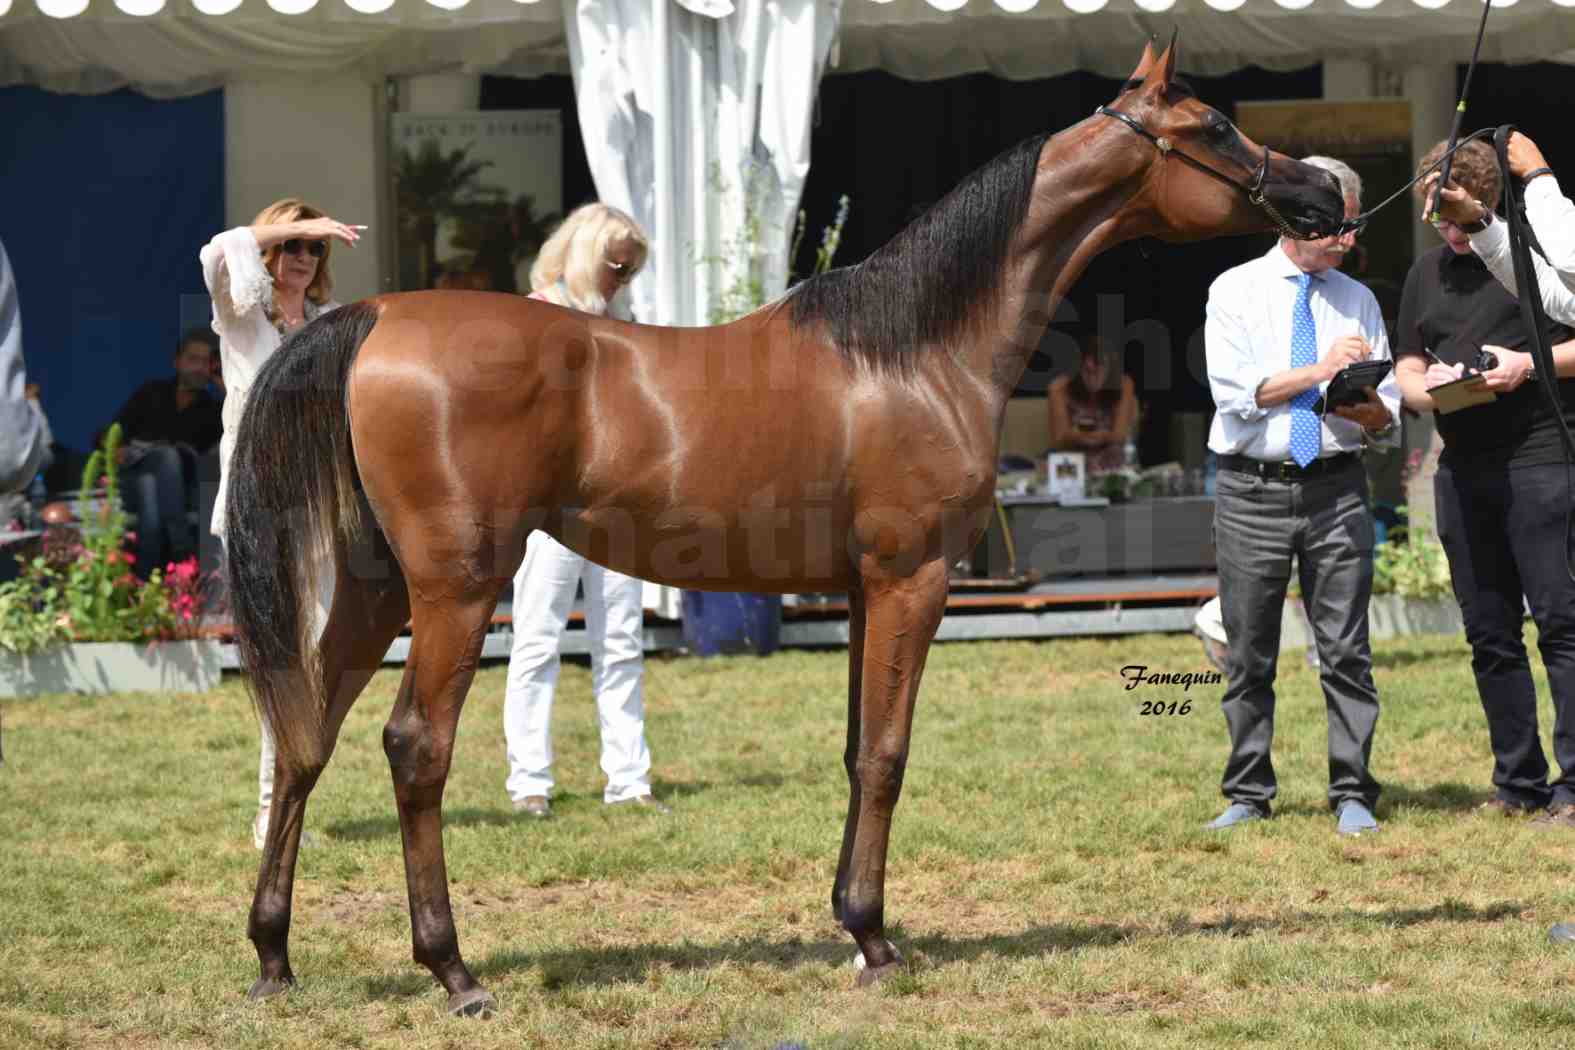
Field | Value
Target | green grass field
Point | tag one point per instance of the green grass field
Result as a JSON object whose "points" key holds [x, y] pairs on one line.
{"points": [[1048, 877]]}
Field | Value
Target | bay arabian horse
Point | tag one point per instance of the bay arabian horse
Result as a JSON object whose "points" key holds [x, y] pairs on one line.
{"points": [[843, 438]]}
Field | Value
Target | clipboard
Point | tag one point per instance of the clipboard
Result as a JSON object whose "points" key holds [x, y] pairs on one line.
{"points": [[1465, 392]]}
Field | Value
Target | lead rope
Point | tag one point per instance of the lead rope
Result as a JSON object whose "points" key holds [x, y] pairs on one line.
{"points": [[1535, 318]]}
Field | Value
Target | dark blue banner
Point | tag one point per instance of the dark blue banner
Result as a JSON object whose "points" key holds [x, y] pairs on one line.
{"points": [[106, 201]]}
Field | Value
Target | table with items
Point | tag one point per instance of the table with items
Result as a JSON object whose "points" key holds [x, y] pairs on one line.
{"points": [[1162, 522]]}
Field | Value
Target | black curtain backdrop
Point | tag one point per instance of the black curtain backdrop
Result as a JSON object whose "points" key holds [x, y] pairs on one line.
{"points": [[556, 92], [1535, 98], [108, 199]]}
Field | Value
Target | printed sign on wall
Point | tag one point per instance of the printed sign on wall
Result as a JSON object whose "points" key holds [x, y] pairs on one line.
{"points": [[475, 194]]}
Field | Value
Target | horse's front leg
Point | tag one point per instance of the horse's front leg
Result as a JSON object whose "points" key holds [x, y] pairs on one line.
{"points": [[850, 754], [447, 636], [900, 619]]}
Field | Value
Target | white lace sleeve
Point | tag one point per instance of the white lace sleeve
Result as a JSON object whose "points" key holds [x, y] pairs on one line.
{"points": [[1552, 216], [232, 267], [1492, 247]]}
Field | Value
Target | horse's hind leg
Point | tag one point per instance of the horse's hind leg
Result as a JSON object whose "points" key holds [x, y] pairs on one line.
{"points": [[900, 618], [366, 616], [448, 633]]}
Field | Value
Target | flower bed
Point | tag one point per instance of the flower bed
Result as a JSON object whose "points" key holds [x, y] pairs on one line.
{"points": [[81, 591]]}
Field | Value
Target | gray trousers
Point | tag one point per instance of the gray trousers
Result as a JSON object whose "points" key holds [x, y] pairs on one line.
{"points": [[1325, 523]]}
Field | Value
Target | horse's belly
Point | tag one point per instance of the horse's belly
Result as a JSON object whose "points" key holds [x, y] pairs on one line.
{"points": [[769, 549]]}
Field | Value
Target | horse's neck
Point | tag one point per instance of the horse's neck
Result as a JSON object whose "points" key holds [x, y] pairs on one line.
{"points": [[1083, 202]]}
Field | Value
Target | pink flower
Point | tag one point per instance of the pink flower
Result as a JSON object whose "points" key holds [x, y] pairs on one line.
{"points": [[131, 559]]}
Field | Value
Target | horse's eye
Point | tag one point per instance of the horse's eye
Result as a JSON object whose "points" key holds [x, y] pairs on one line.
{"points": [[1219, 129]]}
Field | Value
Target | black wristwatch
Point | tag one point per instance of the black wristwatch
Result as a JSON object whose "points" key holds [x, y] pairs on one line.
{"points": [[1480, 225]]}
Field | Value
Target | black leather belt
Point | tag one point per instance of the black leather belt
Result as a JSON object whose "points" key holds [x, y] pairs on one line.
{"points": [[1318, 468]]}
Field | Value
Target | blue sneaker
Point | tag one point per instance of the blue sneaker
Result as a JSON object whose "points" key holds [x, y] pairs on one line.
{"points": [[1355, 818], [1562, 933], [1235, 813]]}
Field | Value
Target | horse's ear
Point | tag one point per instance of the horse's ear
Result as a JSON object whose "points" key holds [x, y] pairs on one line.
{"points": [[1164, 70], [1145, 63]]}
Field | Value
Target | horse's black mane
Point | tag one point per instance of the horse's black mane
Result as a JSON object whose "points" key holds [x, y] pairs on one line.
{"points": [[919, 288]]}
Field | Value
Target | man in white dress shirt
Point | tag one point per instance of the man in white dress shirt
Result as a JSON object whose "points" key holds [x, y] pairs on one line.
{"points": [[1291, 485]]}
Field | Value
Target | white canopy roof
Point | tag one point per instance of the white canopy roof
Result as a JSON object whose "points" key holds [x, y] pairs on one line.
{"points": [[172, 47]]}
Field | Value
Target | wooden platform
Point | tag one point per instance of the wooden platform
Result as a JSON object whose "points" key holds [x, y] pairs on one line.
{"points": [[976, 610]]}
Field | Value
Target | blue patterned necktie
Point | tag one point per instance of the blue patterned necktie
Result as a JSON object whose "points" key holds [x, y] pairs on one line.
{"points": [[1306, 427]]}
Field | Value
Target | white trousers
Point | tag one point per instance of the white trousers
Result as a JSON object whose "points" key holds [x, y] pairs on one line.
{"points": [[543, 597]]}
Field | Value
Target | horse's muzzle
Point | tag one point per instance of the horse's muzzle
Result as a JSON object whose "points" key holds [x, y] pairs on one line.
{"points": [[1308, 198]]}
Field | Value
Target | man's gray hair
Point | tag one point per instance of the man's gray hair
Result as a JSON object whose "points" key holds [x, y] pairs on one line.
{"points": [[1350, 181]]}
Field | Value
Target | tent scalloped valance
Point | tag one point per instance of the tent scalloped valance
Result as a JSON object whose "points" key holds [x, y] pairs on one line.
{"points": [[168, 48], [14, 9]]}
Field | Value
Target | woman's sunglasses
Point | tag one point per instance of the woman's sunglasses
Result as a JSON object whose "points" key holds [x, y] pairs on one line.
{"points": [[622, 272], [294, 245]]}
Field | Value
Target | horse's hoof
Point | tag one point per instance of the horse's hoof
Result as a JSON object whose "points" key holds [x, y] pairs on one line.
{"points": [[869, 975], [267, 988], [475, 1003]]}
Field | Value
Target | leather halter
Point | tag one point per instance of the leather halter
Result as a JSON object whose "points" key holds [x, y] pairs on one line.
{"points": [[1254, 190]]}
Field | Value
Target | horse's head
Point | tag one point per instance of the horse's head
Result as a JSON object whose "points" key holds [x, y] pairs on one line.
{"points": [[1206, 178]]}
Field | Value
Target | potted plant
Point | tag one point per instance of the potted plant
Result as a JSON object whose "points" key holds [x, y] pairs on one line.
{"points": [[1412, 592], [77, 619]]}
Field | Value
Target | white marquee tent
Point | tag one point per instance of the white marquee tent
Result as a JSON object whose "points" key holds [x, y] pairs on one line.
{"points": [[165, 47]]}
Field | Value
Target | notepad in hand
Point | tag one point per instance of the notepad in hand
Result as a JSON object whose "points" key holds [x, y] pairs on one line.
{"points": [[1465, 392], [1351, 384]]}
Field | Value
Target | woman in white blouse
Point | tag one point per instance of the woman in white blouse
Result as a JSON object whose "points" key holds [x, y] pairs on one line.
{"points": [[266, 280]]}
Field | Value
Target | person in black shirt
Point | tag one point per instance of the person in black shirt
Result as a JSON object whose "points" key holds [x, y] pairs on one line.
{"points": [[166, 426], [1502, 492], [178, 410]]}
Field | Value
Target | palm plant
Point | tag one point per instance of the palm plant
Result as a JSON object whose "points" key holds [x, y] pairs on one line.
{"points": [[431, 184]]}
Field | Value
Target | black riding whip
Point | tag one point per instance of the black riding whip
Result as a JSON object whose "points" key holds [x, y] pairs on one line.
{"points": [[1460, 109]]}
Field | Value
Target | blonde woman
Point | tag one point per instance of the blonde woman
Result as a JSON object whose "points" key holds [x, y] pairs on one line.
{"points": [[583, 265], [266, 280]]}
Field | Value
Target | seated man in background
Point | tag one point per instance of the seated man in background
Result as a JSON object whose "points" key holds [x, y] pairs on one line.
{"points": [[166, 426]]}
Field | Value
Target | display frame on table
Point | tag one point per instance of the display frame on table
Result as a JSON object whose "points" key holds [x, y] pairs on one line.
{"points": [[1066, 475]]}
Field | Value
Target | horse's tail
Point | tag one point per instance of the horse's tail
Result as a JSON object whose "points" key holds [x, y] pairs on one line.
{"points": [[292, 513]]}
